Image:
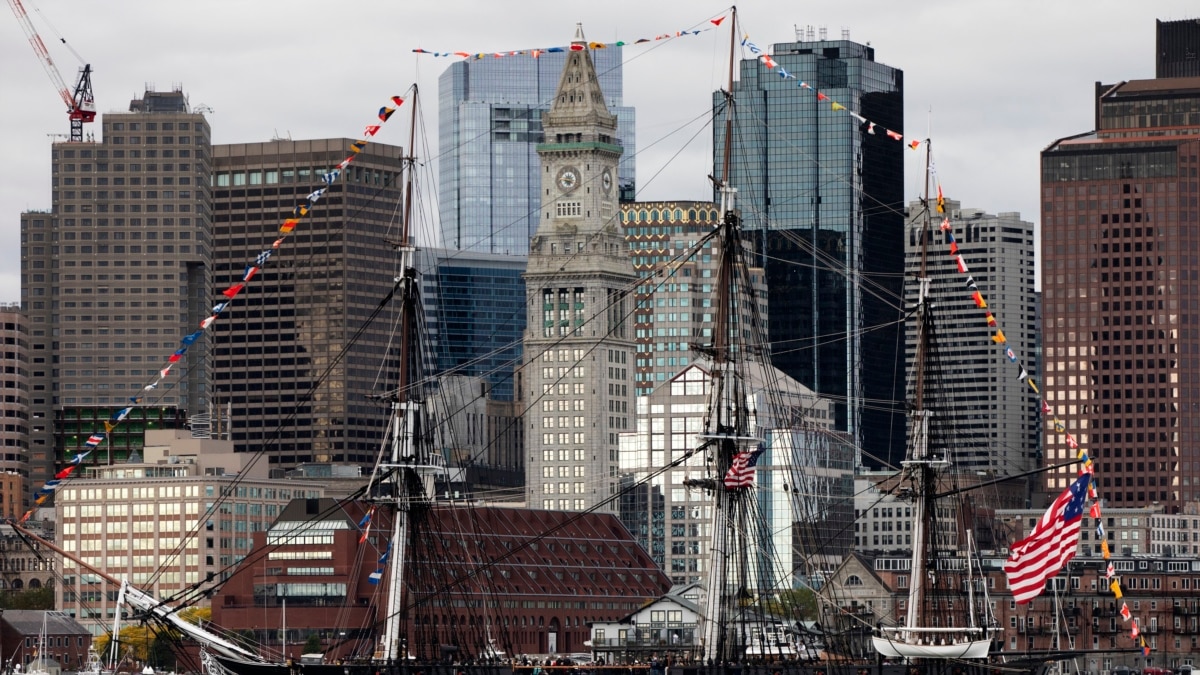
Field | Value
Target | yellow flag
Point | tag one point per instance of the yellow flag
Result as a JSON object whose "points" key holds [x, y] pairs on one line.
{"points": [[1116, 589], [1104, 549], [838, 106], [1033, 386], [999, 338]]}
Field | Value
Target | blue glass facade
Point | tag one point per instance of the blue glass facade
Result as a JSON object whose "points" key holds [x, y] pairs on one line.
{"points": [[489, 124], [475, 312], [826, 201]]}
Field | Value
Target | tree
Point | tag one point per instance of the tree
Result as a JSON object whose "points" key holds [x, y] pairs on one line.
{"points": [[30, 598], [313, 644], [798, 604]]}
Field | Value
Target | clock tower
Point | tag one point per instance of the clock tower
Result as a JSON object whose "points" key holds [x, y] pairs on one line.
{"points": [[579, 349]]}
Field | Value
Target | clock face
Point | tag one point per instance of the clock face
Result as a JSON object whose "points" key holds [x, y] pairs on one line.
{"points": [[568, 178], [606, 180]]}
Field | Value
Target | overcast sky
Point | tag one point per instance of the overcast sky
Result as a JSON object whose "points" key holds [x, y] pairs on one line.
{"points": [[992, 82]]}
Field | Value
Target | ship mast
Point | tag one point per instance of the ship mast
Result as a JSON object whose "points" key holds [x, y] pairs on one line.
{"points": [[920, 466], [406, 478], [727, 430]]}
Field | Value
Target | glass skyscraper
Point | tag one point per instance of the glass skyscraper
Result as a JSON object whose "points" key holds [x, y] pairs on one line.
{"points": [[474, 306], [490, 121], [825, 198]]}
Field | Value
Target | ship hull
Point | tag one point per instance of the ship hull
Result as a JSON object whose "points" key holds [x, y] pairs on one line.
{"points": [[781, 667], [972, 649]]}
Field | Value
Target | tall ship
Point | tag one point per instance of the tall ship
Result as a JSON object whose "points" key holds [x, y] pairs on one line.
{"points": [[450, 586]]}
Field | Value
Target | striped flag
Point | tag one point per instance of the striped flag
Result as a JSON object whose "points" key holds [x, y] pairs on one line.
{"points": [[741, 471], [1049, 546]]}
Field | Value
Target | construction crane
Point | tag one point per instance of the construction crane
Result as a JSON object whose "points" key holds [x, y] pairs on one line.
{"points": [[81, 104]]}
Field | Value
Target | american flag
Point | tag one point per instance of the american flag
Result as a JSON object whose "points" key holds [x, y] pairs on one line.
{"points": [[1049, 546], [741, 471]]}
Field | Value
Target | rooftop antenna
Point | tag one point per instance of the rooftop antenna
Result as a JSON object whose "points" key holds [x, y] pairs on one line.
{"points": [[824, 33], [845, 34]]}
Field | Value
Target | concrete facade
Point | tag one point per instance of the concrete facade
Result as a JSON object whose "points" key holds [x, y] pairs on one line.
{"points": [[992, 416], [579, 351], [114, 275]]}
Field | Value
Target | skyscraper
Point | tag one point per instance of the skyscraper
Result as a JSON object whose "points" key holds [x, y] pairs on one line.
{"points": [[993, 415], [489, 125], [674, 299], [277, 351], [1120, 225], [579, 348], [113, 276], [1178, 48], [825, 199], [14, 437], [474, 305]]}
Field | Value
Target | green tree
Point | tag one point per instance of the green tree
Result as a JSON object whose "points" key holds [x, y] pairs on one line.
{"points": [[30, 598], [798, 604], [313, 644]]}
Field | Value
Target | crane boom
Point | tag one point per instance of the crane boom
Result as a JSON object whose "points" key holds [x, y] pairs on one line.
{"points": [[81, 103]]}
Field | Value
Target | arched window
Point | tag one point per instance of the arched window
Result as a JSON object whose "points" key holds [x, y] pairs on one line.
{"points": [[678, 214], [643, 216], [654, 215], [692, 215], [854, 580]]}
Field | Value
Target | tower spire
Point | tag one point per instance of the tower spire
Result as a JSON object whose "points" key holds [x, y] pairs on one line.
{"points": [[579, 99]]}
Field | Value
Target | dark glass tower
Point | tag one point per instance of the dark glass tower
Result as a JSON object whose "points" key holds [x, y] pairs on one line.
{"points": [[489, 125], [1178, 48], [474, 305], [826, 200]]}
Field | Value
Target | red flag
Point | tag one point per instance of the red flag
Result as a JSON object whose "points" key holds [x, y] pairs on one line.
{"points": [[233, 290], [953, 246], [1133, 629], [768, 61], [65, 472], [1045, 407], [289, 225], [1049, 546], [896, 135], [979, 301], [914, 145], [717, 21], [821, 97], [398, 101], [1125, 613], [962, 264], [1094, 511], [1071, 442], [576, 48]]}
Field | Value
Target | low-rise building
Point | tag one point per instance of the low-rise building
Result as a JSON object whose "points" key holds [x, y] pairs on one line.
{"points": [[184, 513], [55, 640]]}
